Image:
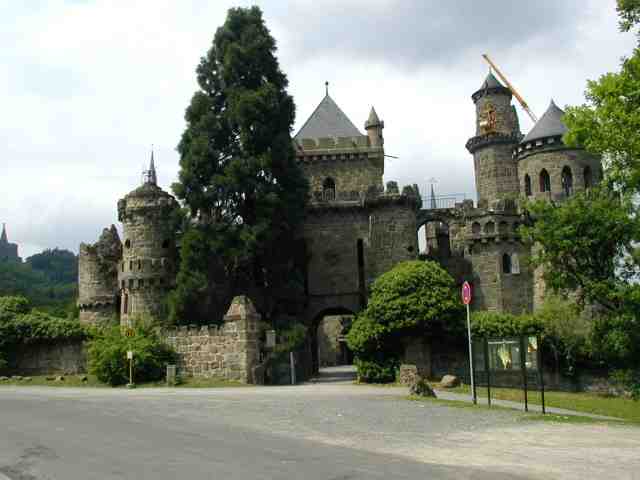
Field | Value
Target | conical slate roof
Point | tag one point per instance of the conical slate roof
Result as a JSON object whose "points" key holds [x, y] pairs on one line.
{"points": [[373, 117], [328, 120], [549, 125], [491, 82]]}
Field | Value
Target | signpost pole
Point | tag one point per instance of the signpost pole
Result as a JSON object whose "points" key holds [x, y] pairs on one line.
{"points": [[473, 383], [486, 368], [466, 299]]}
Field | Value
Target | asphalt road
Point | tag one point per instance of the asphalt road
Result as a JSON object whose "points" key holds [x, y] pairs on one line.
{"points": [[310, 432]]}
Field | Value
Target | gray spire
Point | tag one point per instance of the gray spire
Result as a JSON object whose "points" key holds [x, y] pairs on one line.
{"points": [[491, 82], [373, 120], [3, 238], [433, 198], [549, 125], [151, 174]]}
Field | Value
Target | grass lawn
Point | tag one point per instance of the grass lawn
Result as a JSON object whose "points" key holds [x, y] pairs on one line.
{"points": [[622, 408], [92, 382], [520, 416]]}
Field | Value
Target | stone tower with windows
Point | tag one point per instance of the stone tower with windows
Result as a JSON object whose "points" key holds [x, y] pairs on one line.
{"points": [[498, 258], [497, 134], [549, 170], [147, 270]]}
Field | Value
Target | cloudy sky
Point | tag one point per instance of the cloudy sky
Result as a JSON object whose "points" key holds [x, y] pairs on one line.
{"points": [[86, 87]]}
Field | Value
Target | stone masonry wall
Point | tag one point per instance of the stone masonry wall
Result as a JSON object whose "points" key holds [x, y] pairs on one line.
{"points": [[50, 358], [229, 351]]}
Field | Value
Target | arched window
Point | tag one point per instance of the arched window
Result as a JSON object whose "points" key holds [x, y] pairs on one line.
{"points": [[329, 189], [545, 181], [125, 304], [503, 228], [166, 243], [588, 177], [515, 263], [489, 228], [567, 181], [506, 263], [527, 185], [127, 243], [475, 228]]}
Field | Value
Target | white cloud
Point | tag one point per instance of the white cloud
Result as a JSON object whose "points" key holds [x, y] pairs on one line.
{"points": [[89, 86]]}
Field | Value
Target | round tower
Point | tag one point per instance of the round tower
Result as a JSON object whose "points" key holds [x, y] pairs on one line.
{"points": [[98, 279], [497, 134], [374, 127], [547, 168], [147, 270]]}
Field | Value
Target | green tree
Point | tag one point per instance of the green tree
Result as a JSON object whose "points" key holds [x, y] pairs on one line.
{"points": [[415, 298], [588, 245], [238, 174], [609, 122]]}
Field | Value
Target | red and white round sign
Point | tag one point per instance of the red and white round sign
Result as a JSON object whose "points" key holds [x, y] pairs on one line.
{"points": [[466, 293]]}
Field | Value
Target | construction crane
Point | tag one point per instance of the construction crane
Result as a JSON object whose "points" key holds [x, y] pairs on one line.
{"points": [[524, 105]]}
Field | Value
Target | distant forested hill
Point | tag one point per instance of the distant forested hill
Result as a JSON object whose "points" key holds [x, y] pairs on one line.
{"points": [[48, 279]]}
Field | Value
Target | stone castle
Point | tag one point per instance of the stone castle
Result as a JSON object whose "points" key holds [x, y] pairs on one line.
{"points": [[357, 228], [8, 251]]}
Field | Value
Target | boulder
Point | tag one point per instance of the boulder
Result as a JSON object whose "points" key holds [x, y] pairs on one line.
{"points": [[16, 377], [26, 379], [449, 381], [4, 379], [59, 378], [408, 374], [421, 388], [84, 378]]}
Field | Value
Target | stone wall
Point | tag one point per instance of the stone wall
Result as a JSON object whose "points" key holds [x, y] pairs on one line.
{"points": [[229, 351], [50, 358]]}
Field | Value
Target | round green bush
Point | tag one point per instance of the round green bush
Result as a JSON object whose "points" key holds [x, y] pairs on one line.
{"points": [[107, 355], [377, 371]]}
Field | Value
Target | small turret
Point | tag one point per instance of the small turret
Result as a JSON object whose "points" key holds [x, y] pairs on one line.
{"points": [[374, 127], [3, 238]]}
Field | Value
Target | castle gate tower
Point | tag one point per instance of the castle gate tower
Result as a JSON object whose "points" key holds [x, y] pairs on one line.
{"points": [[497, 134], [147, 270]]}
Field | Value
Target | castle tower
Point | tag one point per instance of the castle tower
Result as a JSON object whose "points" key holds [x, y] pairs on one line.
{"points": [[98, 295], [8, 251], [147, 270], [497, 134], [374, 127], [548, 169]]}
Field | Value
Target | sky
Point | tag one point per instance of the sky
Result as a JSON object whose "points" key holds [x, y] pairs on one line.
{"points": [[87, 87]]}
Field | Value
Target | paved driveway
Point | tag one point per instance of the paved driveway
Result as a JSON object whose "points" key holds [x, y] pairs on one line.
{"points": [[309, 432]]}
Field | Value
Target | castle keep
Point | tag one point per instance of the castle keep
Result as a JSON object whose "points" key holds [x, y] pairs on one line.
{"points": [[356, 228]]}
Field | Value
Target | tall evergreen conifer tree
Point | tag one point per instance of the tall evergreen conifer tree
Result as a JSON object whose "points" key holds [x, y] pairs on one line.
{"points": [[238, 176]]}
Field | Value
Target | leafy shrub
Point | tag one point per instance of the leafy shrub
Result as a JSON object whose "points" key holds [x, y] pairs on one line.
{"points": [[413, 298], [629, 380], [377, 371], [107, 354]]}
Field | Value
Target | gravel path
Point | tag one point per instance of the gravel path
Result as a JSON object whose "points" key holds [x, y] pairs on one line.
{"points": [[338, 425]]}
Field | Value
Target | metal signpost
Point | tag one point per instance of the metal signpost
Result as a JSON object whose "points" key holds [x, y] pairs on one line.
{"points": [[130, 358], [466, 299]]}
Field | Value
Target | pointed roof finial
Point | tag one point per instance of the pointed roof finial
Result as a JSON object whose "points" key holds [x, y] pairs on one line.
{"points": [[434, 204], [4, 238], [150, 175], [326, 88]]}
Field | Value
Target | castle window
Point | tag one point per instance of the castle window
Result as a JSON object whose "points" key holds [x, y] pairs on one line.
{"points": [[139, 264], [130, 265], [588, 177], [127, 243], [567, 181], [503, 228], [123, 266], [515, 264], [506, 263], [329, 189], [516, 226], [545, 181], [165, 243], [131, 283], [125, 304], [475, 228], [489, 228], [527, 185], [141, 283]]}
